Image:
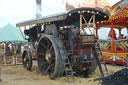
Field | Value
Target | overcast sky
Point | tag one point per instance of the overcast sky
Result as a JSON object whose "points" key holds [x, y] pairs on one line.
{"points": [[14, 11]]}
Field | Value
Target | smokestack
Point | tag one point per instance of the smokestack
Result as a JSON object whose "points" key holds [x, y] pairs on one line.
{"points": [[38, 9]]}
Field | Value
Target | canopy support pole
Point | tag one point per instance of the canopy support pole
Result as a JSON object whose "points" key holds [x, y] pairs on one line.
{"points": [[112, 46], [21, 33], [81, 24], [119, 31], [96, 31]]}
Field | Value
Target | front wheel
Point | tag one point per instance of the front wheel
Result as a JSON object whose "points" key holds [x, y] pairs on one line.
{"points": [[27, 60]]}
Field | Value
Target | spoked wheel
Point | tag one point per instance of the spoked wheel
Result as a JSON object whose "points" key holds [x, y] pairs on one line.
{"points": [[27, 60], [48, 56]]}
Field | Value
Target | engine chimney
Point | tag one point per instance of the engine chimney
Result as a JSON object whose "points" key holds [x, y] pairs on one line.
{"points": [[38, 9]]}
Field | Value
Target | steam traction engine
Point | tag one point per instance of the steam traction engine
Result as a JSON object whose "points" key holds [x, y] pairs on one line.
{"points": [[64, 42]]}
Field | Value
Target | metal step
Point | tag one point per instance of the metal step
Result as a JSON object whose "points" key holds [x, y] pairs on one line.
{"points": [[67, 67], [69, 52], [102, 62]]}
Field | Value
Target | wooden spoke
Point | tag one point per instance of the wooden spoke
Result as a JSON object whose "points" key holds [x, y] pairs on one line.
{"points": [[48, 44], [45, 62], [44, 46], [53, 53], [41, 54], [52, 69], [47, 68], [51, 48]]}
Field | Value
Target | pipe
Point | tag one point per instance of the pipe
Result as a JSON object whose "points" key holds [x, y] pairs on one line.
{"points": [[38, 9]]}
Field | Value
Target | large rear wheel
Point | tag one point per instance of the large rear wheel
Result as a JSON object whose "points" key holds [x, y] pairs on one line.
{"points": [[49, 57]]}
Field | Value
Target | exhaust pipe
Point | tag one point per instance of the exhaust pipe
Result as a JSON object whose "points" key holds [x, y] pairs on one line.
{"points": [[38, 9]]}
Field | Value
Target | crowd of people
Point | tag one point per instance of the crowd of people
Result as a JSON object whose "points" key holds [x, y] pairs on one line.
{"points": [[11, 48]]}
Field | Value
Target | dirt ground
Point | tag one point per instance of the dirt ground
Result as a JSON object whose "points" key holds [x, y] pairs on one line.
{"points": [[17, 75]]}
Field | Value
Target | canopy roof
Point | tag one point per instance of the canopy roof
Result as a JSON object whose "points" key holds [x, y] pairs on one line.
{"points": [[101, 4], [95, 3], [10, 33], [67, 17], [118, 15], [119, 23]]}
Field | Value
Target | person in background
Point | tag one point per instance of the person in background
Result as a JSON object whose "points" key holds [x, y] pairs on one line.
{"points": [[110, 35], [1, 55], [15, 49], [72, 31], [19, 48], [126, 36], [7, 50], [121, 36], [12, 49]]}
